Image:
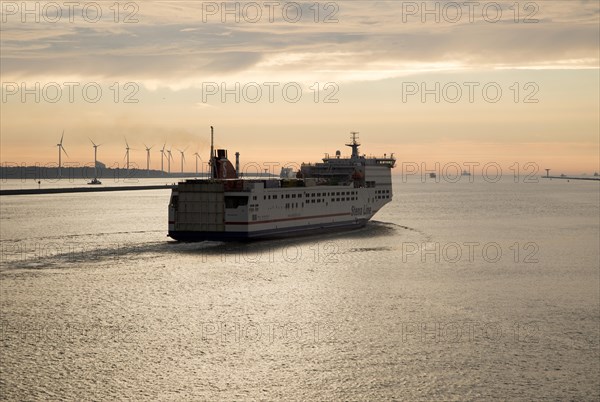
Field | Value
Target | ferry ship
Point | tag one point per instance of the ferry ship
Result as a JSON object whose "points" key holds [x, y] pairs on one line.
{"points": [[339, 193]]}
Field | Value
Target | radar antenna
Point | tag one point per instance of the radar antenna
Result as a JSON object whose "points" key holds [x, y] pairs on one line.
{"points": [[354, 144]]}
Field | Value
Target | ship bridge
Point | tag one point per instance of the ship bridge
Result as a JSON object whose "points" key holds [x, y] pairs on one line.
{"points": [[355, 157], [360, 169]]}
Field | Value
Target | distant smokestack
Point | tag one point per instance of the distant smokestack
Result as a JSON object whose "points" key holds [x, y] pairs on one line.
{"points": [[237, 164], [212, 153]]}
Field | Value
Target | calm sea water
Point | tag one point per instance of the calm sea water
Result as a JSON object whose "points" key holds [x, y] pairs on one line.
{"points": [[455, 291]]}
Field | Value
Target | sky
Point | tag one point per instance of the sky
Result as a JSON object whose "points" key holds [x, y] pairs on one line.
{"points": [[432, 82]]}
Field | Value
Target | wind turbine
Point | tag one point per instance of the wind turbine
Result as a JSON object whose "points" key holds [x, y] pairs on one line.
{"points": [[197, 157], [61, 149], [127, 154], [169, 157], [162, 155], [95, 158], [182, 158], [148, 158]]}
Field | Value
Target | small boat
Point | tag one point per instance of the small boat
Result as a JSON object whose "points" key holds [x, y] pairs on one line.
{"points": [[465, 173], [432, 175], [95, 181]]}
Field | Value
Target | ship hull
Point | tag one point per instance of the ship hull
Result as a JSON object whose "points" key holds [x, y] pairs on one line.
{"points": [[268, 234]]}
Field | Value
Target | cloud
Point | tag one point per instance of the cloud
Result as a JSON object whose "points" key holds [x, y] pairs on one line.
{"points": [[170, 45]]}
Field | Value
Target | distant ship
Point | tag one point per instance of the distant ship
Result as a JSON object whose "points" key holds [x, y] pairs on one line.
{"points": [[336, 194], [465, 173]]}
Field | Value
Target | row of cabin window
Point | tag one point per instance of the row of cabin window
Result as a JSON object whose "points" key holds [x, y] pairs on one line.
{"points": [[331, 193], [324, 194], [332, 200], [319, 200], [382, 196], [282, 196], [308, 195]]}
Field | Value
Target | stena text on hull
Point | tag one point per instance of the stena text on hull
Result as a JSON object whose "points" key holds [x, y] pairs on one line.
{"points": [[340, 193]]}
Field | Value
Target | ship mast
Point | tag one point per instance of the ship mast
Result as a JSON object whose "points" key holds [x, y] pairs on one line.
{"points": [[354, 144]]}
